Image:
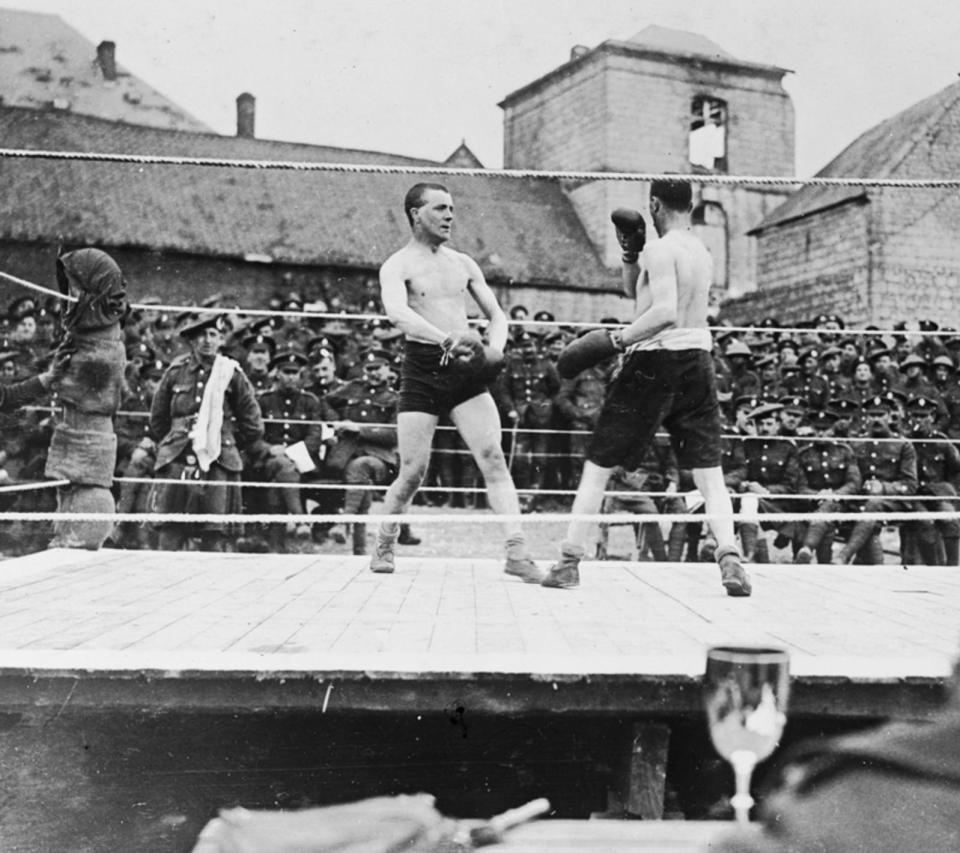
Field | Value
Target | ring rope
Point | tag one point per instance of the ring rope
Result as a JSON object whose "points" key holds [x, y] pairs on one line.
{"points": [[367, 317], [483, 518], [629, 495], [388, 169]]}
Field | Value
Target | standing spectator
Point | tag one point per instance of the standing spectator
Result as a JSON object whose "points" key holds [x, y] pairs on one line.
{"points": [[203, 414], [838, 383], [83, 448]]}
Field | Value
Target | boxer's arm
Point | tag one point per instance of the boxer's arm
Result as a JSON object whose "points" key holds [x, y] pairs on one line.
{"points": [[662, 312], [629, 276], [393, 293], [485, 298]]}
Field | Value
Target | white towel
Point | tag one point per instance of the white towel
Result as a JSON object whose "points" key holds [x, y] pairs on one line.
{"points": [[205, 434]]}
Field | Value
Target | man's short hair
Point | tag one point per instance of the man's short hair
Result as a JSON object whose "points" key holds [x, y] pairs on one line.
{"points": [[415, 197], [673, 194]]}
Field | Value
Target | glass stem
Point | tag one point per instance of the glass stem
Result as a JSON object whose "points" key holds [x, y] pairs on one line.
{"points": [[743, 761]]}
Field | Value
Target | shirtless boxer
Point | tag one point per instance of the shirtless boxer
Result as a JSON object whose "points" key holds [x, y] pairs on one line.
{"points": [[446, 368], [667, 378]]}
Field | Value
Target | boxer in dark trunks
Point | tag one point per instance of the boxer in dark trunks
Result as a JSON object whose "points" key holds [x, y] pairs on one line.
{"points": [[445, 369], [667, 378]]}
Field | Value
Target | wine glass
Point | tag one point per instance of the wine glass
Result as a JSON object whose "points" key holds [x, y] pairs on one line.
{"points": [[745, 692]]}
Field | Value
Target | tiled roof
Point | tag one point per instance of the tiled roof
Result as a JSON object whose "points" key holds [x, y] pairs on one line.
{"points": [[524, 230], [881, 152], [44, 62]]}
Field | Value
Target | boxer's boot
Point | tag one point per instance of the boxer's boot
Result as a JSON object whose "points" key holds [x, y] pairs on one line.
{"points": [[951, 549], [383, 561], [732, 574], [565, 573]]}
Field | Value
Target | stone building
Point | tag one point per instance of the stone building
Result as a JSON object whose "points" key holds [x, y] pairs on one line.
{"points": [[869, 254], [662, 101]]}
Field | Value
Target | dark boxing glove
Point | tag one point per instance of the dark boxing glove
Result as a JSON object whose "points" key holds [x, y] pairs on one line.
{"points": [[631, 232], [588, 350]]}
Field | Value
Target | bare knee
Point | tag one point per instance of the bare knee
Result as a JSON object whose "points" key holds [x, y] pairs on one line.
{"points": [[411, 477], [492, 464]]}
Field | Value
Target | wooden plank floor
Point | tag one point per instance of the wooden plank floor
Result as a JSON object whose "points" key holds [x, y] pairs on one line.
{"points": [[62, 610]]}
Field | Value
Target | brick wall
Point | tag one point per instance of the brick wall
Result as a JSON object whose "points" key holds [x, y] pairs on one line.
{"points": [[810, 266]]}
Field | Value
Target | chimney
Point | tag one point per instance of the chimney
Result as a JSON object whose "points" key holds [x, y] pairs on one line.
{"points": [[107, 59], [246, 112]]}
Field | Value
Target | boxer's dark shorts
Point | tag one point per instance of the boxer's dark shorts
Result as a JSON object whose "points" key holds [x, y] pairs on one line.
{"points": [[426, 386], [676, 389]]}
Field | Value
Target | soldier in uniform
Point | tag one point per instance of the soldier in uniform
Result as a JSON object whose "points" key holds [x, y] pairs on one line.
{"points": [[529, 384], [772, 469], [196, 392], [888, 470], [938, 467], [260, 349], [810, 383], [827, 468], [139, 462], [365, 451], [578, 403], [290, 416], [838, 383], [945, 380], [792, 416]]}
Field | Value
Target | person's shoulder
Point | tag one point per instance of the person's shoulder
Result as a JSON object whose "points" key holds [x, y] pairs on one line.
{"points": [[180, 361]]}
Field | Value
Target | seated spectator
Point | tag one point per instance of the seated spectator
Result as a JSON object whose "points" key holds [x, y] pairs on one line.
{"points": [[365, 451], [938, 468], [827, 469], [657, 472], [772, 470], [888, 470], [291, 416]]}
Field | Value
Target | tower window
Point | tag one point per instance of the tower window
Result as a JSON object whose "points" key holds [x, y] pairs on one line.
{"points": [[708, 133]]}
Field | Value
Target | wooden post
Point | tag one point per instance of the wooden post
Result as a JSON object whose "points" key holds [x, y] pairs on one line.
{"points": [[639, 788]]}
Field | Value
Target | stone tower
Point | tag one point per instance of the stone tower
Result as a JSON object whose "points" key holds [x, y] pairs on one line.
{"points": [[663, 101]]}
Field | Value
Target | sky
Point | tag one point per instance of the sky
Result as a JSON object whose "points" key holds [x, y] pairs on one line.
{"points": [[417, 77]]}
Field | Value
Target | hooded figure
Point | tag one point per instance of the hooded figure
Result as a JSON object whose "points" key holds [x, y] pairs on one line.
{"points": [[83, 448]]}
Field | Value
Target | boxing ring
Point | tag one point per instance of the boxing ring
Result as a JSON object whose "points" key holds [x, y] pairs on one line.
{"points": [[141, 690]]}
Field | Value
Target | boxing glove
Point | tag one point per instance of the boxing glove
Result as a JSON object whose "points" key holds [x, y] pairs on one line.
{"points": [[631, 232], [588, 350]]}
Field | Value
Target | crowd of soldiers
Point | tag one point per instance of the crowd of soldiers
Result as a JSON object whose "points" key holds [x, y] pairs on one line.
{"points": [[819, 418]]}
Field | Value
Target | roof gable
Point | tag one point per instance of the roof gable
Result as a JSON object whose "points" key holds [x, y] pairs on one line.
{"points": [[881, 152]]}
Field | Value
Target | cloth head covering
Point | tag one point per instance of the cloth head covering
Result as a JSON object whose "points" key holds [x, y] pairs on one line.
{"points": [[103, 297]]}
